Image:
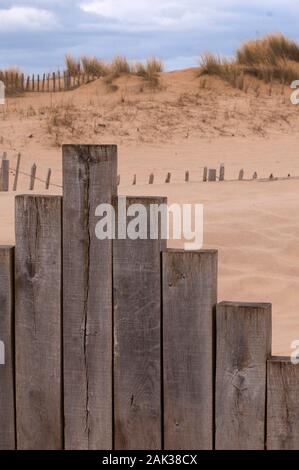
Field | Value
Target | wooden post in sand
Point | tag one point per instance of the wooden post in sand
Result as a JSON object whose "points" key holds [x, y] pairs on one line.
{"points": [[4, 176], [15, 184], [254, 175], [32, 177], [134, 180], [221, 173], [48, 178], [205, 174], [282, 404], [241, 175], [212, 174], [187, 177], [168, 178], [244, 335], [151, 179]]}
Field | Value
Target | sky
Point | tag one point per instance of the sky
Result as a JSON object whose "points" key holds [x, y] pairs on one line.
{"points": [[36, 34]]}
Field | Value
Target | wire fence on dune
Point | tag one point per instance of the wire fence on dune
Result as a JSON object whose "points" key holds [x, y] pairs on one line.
{"points": [[208, 175]]}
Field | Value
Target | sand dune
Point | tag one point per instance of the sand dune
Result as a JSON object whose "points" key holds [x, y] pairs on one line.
{"points": [[185, 126]]}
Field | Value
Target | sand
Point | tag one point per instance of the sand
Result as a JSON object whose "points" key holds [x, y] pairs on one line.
{"points": [[185, 126]]}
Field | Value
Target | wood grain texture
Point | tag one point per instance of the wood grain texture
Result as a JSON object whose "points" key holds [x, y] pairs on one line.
{"points": [[137, 339], [4, 175], [282, 404], [89, 179], [38, 322], [189, 304], [212, 176], [7, 389], [243, 347]]}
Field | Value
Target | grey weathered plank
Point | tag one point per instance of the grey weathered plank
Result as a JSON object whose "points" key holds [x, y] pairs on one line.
{"points": [[205, 174], [282, 404], [222, 173], [243, 347], [32, 177], [48, 178], [38, 322], [137, 339], [189, 304], [89, 179], [241, 175], [7, 389]]}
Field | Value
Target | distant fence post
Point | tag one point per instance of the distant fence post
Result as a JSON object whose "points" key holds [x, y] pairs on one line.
{"points": [[189, 303], [212, 174], [205, 174], [134, 180], [168, 178], [38, 323], [32, 177], [222, 173], [137, 311], [48, 178], [282, 404], [89, 179], [7, 380], [243, 346], [151, 179], [187, 177], [241, 175], [15, 184], [4, 176]]}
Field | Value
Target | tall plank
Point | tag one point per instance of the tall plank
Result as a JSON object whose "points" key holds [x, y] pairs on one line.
{"points": [[4, 175], [89, 179], [282, 404], [137, 337], [38, 322], [243, 347], [189, 304], [7, 389]]}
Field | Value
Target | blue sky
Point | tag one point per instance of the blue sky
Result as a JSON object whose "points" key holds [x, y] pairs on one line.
{"points": [[36, 34]]}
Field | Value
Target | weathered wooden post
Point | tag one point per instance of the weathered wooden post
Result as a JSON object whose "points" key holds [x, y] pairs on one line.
{"points": [[212, 174], [137, 333], [282, 404], [151, 179], [254, 175], [118, 180], [168, 178], [4, 176], [89, 179], [38, 323], [243, 346], [187, 177], [54, 81], [15, 184], [32, 177], [134, 180], [241, 175], [222, 173], [48, 178], [205, 174], [189, 287], [7, 379]]}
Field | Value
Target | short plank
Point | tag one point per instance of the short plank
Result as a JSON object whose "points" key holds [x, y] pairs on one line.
{"points": [[7, 389], [189, 304], [38, 323], [243, 347], [89, 179], [282, 404], [137, 339]]}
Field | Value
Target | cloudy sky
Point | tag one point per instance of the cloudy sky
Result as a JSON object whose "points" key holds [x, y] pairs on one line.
{"points": [[36, 34]]}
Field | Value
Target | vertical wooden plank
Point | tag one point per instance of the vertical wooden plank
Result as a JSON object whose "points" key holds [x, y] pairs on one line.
{"points": [[137, 338], [241, 175], [243, 347], [212, 174], [89, 179], [189, 304], [151, 179], [187, 177], [38, 323], [282, 404], [32, 177], [134, 180], [168, 178], [7, 388], [15, 184], [54, 81]]}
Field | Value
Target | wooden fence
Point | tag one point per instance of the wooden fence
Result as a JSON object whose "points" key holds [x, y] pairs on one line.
{"points": [[50, 82], [121, 344], [6, 172]]}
